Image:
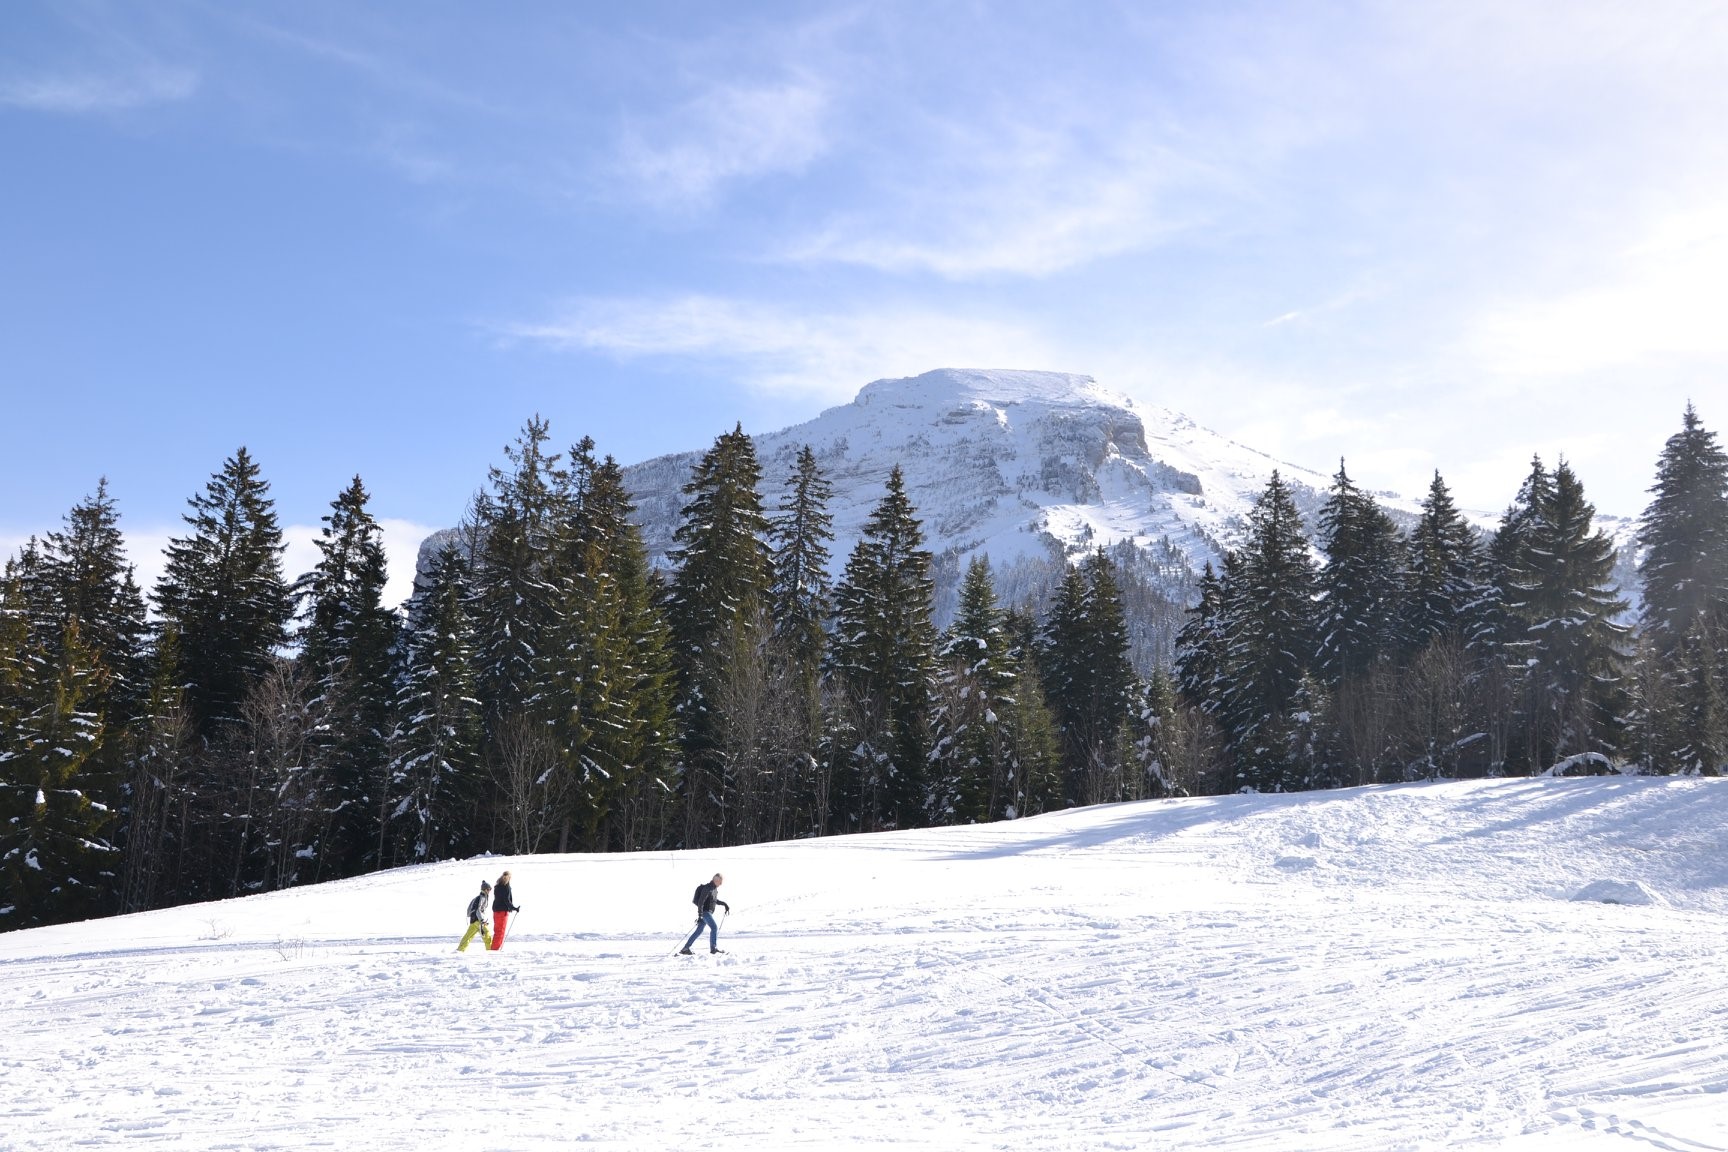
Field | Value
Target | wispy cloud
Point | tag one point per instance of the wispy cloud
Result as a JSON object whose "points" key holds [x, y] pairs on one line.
{"points": [[785, 350], [1019, 201], [75, 93], [728, 134]]}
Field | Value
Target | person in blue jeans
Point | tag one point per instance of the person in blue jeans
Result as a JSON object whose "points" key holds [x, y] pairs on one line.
{"points": [[707, 895]]}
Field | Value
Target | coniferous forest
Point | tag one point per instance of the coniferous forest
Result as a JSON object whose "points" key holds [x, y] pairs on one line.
{"points": [[237, 729]]}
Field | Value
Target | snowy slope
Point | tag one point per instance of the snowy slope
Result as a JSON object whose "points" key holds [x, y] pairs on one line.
{"points": [[1384, 968]]}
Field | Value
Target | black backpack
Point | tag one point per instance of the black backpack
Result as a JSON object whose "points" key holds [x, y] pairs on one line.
{"points": [[474, 907], [697, 899]]}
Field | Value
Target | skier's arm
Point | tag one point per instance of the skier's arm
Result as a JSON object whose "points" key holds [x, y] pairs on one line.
{"points": [[723, 904]]}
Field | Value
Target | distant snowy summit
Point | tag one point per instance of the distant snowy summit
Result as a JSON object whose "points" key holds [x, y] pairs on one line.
{"points": [[1013, 464]]}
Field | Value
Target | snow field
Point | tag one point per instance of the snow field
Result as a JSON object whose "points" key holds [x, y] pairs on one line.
{"points": [[1386, 968]]}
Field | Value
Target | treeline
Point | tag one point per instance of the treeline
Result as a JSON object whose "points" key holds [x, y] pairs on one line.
{"points": [[1393, 656], [544, 689]]}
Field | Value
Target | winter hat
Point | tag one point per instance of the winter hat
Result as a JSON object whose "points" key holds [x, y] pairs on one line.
{"points": [[485, 887]]}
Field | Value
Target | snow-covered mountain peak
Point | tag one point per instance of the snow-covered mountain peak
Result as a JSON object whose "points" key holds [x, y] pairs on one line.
{"points": [[1031, 469], [950, 388]]}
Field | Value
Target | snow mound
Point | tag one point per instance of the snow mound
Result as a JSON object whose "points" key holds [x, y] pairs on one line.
{"points": [[1616, 892], [1295, 863]]}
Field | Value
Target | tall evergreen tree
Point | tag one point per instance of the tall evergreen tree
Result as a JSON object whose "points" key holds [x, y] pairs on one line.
{"points": [[1684, 571], [511, 525], [883, 658], [1088, 679], [1202, 644], [1566, 640], [347, 656], [1270, 621], [55, 858], [800, 604], [969, 773], [717, 607], [1360, 589], [1684, 535], [85, 568], [800, 535], [1445, 582], [223, 593], [436, 771], [606, 680]]}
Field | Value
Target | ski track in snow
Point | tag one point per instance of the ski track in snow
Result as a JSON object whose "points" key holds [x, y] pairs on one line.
{"points": [[1386, 968]]}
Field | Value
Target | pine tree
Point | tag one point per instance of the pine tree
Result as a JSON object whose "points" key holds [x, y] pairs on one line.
{"points": [[55, 858], [1268, 608], [436, 770], [883, 658], [1031, 749], [968, 770], [511, 525], [717, 608], [607, 677], [1685, 535], [1360, 590], [223, 593], [800, 604], [347, 656], [1445, 583], [84, 566], [1201, 645], [800, 535], [1088, 680], [1565, 640], [1684, 571]]}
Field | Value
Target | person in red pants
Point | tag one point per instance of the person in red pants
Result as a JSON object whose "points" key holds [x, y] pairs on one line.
{"points": [[502, 906]]}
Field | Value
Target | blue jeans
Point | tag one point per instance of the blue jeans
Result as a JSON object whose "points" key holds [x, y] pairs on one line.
{"points": [[713, 932]]}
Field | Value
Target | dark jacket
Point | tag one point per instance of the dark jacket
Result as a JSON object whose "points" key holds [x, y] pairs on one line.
{"points": [[706, 897], [501, 899]]}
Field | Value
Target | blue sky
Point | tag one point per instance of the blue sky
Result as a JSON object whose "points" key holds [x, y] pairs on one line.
{"points": [[374, 239]]}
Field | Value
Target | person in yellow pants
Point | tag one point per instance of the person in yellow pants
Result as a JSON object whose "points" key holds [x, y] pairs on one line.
{"points": [[477, 918]]}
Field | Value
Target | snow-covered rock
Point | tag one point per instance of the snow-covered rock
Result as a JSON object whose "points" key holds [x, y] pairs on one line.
{"points": [[1616, 892]]}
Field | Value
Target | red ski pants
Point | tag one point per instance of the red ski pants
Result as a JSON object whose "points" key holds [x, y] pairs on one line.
{"points": [[499, 919]]}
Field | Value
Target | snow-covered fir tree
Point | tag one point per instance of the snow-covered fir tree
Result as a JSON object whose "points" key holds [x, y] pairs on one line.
{"points": [[56, 861], [436, 784], [347, 658], [1565, 641], [606, 680], [1088, 681], [1360, 587], [1268, 609], [1684, 572], [86, 572], [510, 530], [718, 609], [883, 660], [1444, 584]]}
